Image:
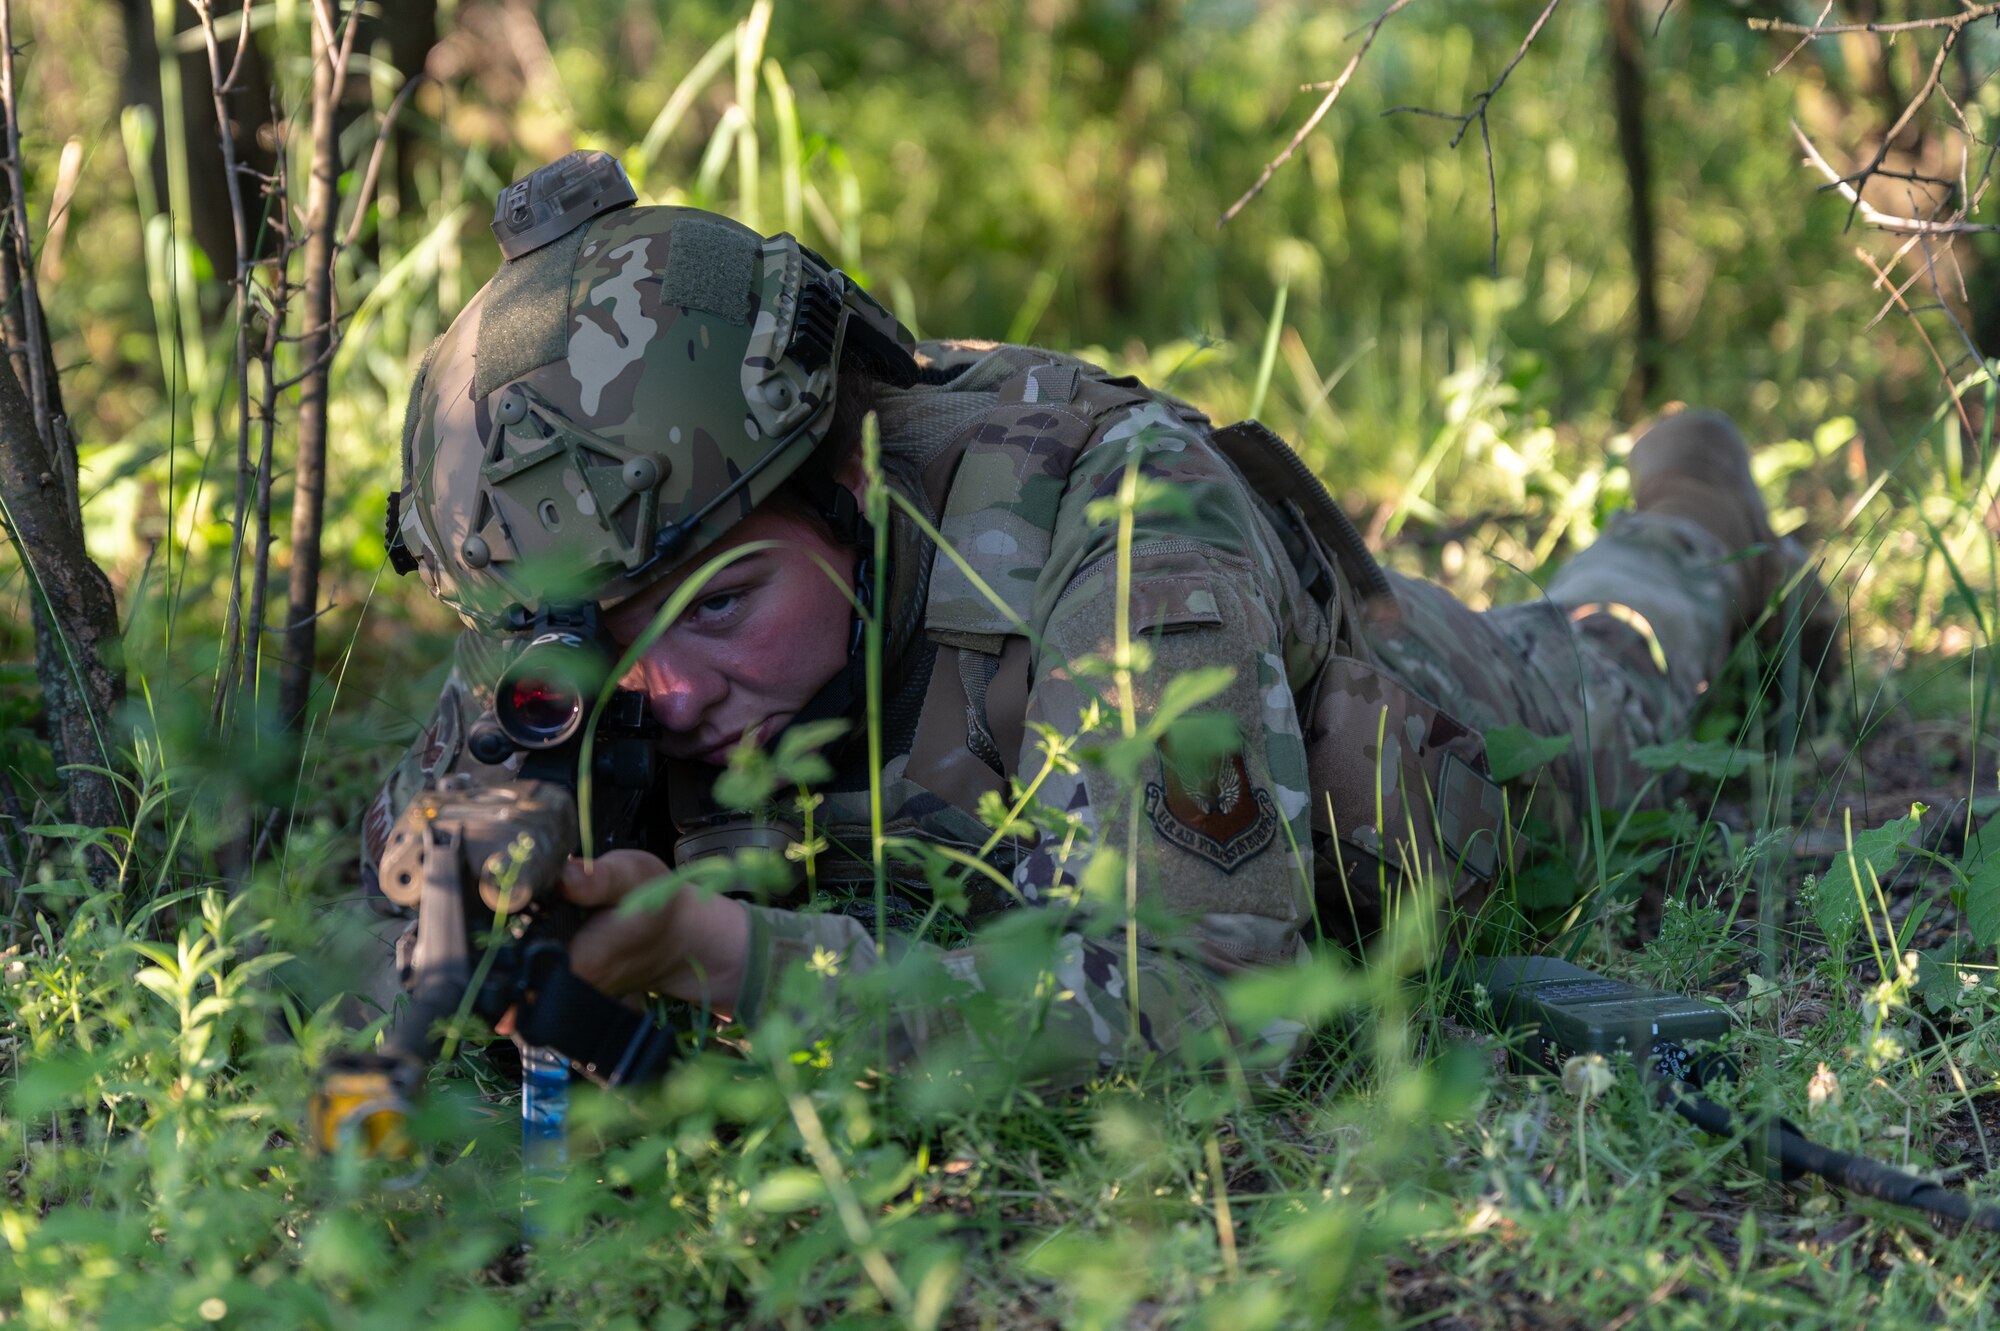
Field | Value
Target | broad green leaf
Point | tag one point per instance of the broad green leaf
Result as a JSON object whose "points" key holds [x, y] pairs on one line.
{"points": [[1937, 977], [160, 983], [1880, 847], [1854, 874], [1709, 757], [1982, 900], [1513, 751]]}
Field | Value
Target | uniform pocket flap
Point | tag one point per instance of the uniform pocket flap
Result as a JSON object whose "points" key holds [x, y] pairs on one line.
{"points": [[1176, 601]]}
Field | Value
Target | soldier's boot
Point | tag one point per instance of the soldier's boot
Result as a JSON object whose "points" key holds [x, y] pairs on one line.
{"points": [[1695, 465]]}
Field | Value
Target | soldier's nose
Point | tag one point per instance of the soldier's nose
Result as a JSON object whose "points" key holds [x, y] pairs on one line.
{"points": [[680, 692]]}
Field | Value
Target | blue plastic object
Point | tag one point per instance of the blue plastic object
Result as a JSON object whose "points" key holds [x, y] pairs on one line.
{"points": [[544, 1131]]}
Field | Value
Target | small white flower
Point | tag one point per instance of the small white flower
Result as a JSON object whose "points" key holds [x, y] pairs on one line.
{"points": [[1587, 1076], [1823, 1090]]}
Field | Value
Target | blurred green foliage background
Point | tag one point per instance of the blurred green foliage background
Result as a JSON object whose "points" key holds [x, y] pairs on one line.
{"points": [[1050, 171]]}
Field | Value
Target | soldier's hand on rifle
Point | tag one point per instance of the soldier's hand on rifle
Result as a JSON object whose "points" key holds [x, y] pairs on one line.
{"points": [[693, 947]]}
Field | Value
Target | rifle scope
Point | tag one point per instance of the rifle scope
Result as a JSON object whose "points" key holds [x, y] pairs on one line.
{"points": [[545, 695]]}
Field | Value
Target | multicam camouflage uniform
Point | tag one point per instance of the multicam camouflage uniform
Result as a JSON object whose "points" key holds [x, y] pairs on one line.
{"points": [[1359, 701]]}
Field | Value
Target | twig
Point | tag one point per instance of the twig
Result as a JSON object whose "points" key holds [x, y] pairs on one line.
{"points": [[1958, 326], [1955, 21], [1964, 419], [221, 85], [1333, 91], [1896, 292], [1804, 41], [1874, 216], [280, 299], [1923, 94], [1477, 113], [374, 171]]}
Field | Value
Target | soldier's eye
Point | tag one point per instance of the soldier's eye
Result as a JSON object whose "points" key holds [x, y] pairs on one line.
{"points": [[718, 606]]}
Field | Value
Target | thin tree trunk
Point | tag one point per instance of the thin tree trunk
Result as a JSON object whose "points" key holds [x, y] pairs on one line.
{"points": [[309, 474], [279, 293], [267, 422], [1628, 95], [76, 615]]}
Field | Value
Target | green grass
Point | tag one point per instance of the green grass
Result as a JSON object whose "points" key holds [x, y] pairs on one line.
{"points": [[1054, 172]]}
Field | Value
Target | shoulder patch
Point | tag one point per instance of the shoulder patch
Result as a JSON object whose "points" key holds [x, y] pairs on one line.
{"points": [[1227, 822]]}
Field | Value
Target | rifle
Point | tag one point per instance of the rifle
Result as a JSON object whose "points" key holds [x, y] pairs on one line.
{"points": [[481, 865]]}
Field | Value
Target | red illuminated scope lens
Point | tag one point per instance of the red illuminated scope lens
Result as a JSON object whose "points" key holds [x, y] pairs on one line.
{"points": [[537, 712], [543, 698], [543, 707]]}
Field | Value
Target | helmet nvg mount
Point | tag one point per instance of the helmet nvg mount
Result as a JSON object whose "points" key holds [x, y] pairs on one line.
{"points": [[631, 383]]}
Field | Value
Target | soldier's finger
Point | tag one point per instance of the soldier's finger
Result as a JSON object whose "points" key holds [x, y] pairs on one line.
{"points": [[609, 953], [606, 880]]}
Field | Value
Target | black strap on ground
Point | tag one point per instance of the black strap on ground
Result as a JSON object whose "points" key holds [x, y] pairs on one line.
{"points": [[1797, 1155]]}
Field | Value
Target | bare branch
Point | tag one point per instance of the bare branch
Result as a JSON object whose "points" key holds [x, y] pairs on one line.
{"points": [[367, 191], [277, 305], [1952, 21], [1895, 299], [1874, 216], [1965, 420], [1333, 91], [1937, 289], [1804, 41], [220, 87], [1923, 94], [1477, 114]]}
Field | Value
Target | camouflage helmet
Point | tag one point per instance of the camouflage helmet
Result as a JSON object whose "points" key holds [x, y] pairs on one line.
{"points": [[631, 383]]}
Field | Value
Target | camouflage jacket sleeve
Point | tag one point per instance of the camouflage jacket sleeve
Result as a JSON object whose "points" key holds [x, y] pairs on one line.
{"points": [[439, 748], [1223, 845]]}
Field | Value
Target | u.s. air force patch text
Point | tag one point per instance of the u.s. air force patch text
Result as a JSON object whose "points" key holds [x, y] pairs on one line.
{"points": [[1226, 821]]}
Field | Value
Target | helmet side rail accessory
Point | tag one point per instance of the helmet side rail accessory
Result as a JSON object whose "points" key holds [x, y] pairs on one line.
{"points": [[1561, 1011]]}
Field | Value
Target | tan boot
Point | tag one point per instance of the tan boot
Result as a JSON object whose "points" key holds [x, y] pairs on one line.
{"points": [[1695, 465]]}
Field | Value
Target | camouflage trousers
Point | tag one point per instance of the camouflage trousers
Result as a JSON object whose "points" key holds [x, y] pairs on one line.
{"points": [[1614, 653]]}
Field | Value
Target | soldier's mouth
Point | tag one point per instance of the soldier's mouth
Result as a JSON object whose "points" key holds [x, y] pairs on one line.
{"points": [[717, 754]]}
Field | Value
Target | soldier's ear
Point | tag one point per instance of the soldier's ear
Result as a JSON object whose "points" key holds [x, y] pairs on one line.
{"points": [[851, 475]]}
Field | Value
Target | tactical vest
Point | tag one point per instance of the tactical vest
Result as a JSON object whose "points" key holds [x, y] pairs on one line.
{"points": [[1399, 788]]}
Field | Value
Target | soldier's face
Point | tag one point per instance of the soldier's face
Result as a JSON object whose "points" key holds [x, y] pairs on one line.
{"points": [[760, 639]]}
